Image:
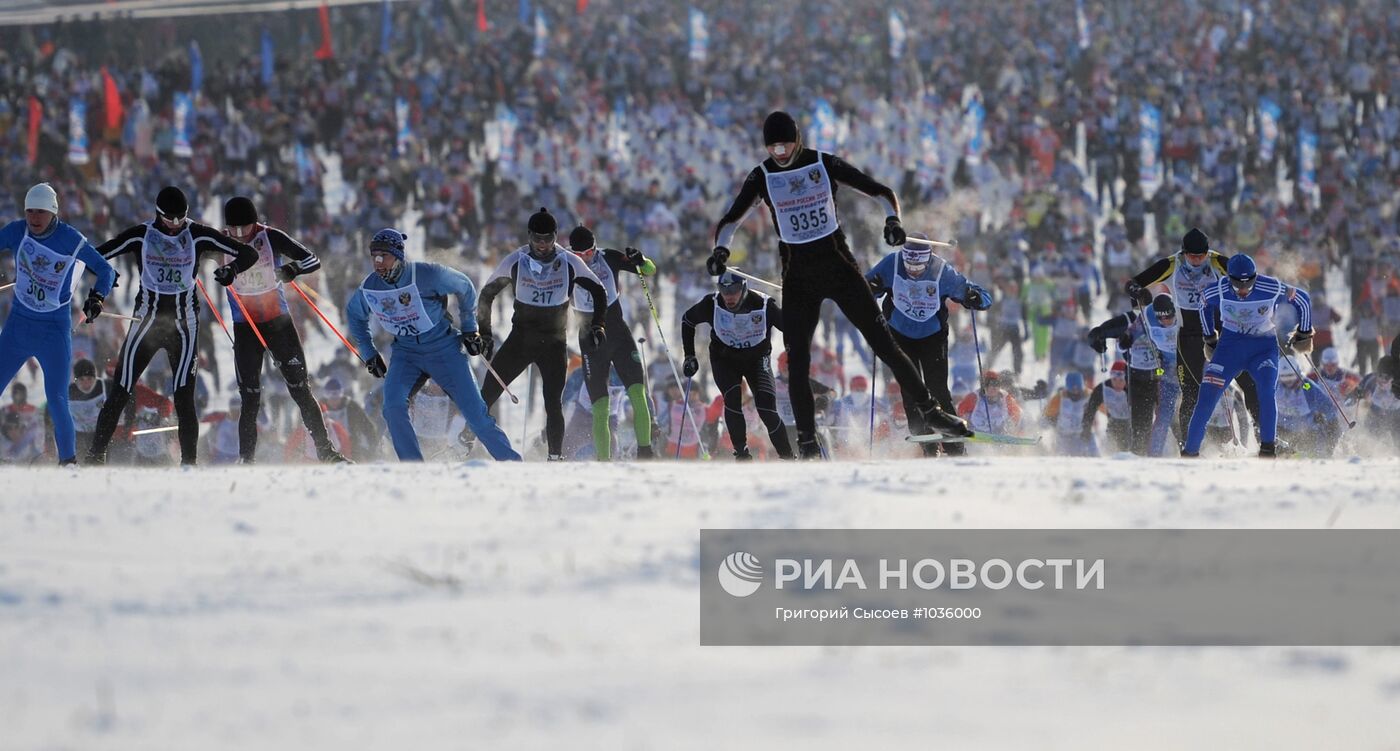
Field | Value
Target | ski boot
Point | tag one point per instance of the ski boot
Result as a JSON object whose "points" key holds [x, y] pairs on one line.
{"points": [[644, 453], [742, 455], [555, 458], [936, 419], [1268, 450], [808, 447], [71, 462], [328, 455]]}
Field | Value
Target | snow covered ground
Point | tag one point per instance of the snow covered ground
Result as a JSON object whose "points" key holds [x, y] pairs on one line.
{"points": [[525, 606]]}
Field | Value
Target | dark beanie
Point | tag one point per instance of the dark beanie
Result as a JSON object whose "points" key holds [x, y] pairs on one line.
{"points": [[542, 222], [84, 367], [171, 201], [779, 128], [1195, 242], [581, 239], [239, 211]]}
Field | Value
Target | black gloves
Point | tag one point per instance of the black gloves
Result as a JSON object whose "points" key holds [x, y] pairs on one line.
{"points": [[376, 366], [715, 263], [1138, 292], [287, 272], [1301, 342], [1041, 390], [597, 336], [92, 307], [894, 231], [474, 344], [690, 367], [1210, 343], [634, 257], [224, 274], [974, 299], [1098, 343]]}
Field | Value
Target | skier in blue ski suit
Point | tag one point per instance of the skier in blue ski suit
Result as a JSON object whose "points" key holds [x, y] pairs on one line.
{"points": [[1244, 303], [47, 251], [408, 300]]}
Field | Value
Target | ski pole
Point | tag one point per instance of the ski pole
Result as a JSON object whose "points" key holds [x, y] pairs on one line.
{"points": [[4, 287], [932, 243], [1147, 332], [977, 345], [244, 310], [872, 402], [680, 437], [1326, 390], [326, 320], [513, 398], [666, 350], [147, 431], [753, 278], [214, 309]]}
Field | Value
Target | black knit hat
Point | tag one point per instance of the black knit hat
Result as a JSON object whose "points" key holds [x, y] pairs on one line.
{"points": [[543, 223], [171, 201], [239, 211], [581, 240], [1195, 241], [1163, 305], [84, 367], [779, 127]]}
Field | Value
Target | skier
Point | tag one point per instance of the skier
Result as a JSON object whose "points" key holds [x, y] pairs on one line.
{"points": [[1245, 303], [1307, 422], [409, 300], [542, 276], [168, 249], [86, 395], [1068, 410], [994, 410], [915, 282], [48, 253], [741, 324], [1187, 274], [799, 185], [255, 299], [1383, 406], [617, 353], [1111, 397], [1153, 387]]}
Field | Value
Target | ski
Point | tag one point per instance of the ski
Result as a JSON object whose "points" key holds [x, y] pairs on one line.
{"points": [[1008, 440]]}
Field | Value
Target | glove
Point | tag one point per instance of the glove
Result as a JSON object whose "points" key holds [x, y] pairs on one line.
{"points": [[287, 272], [473, 342], [224, 274], [1301, 342], [1098, 343], [376, 367], [715, 263], [597, 336], [92, 306], [1041, 390], [1138, 293], [894, 231], [976, 300], [690, 367], [634, 257], [1210, 343]]}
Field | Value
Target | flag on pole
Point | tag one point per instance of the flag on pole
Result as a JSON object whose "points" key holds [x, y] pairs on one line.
{"points": [[699, 36], [823, 126], [36, 120], [1149, 148], [111, 101], [541, 34], [481, 24], [268, 58], [1082, 21], [973, 116], [1307, 164], [1246, 28], [898, 34], [1269, 114], [405, 133], [582, 6], [184, 124], [77, 131], [386, 28], [327, 50], [929, 158], [523, 12], [196, 67]]}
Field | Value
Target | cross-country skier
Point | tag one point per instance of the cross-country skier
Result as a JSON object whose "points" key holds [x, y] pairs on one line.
{"points": [[1151, 341], [1069, 412], [799, 186], [409, 300], [741, 325], [48, 253], [168, 249], [1244, 303]]}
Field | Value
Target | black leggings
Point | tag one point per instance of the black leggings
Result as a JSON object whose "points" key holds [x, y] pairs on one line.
{"points": [[619, 352], [1142, 407], [826, 270], [180, 340], [287, 356], [930, 357], [550, 354], [756, 370]]}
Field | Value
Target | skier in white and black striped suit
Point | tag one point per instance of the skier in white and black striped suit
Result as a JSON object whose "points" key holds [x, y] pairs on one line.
{"points": [[168, 308]]}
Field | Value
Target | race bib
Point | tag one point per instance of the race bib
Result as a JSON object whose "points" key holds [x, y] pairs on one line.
{"points": [[1248, 317], [400, 311], [802, 199], [541, 284], [583, 301], [39, 275], [1189, 286], [917, 298], [263, 276], [167, 263], [741, 330]]}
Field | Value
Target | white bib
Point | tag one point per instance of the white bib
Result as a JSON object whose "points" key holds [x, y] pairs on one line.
{"points": [[400, 311], [263, 276], [1071, 419], [542, 285], [1248, 317], [167, 263], [1292, 403], [784, 399], [1117, 403], [1189, 286], [741, 330], [917, 298], [998, 412], [39, 275], [85, 411], [583, 300], [803, 201]]}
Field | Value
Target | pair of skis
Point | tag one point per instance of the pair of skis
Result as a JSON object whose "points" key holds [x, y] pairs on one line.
{"points": [[1000, 438]]}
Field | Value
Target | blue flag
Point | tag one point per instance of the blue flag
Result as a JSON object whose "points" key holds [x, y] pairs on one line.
{"points": [[184, 124], [699, 36], [898, 35], [1269, 115], [386, 29], [525, 12], [405, 132], [541, 33], [267, 58], [1150, 172], [1307, 163], [824, 126], [77, 131], [196, 68]]}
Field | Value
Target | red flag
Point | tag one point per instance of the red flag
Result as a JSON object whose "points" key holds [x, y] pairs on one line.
{"points": [[112, 100], [481, 15], [36, 118], [582, 6], [325, 51]]}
